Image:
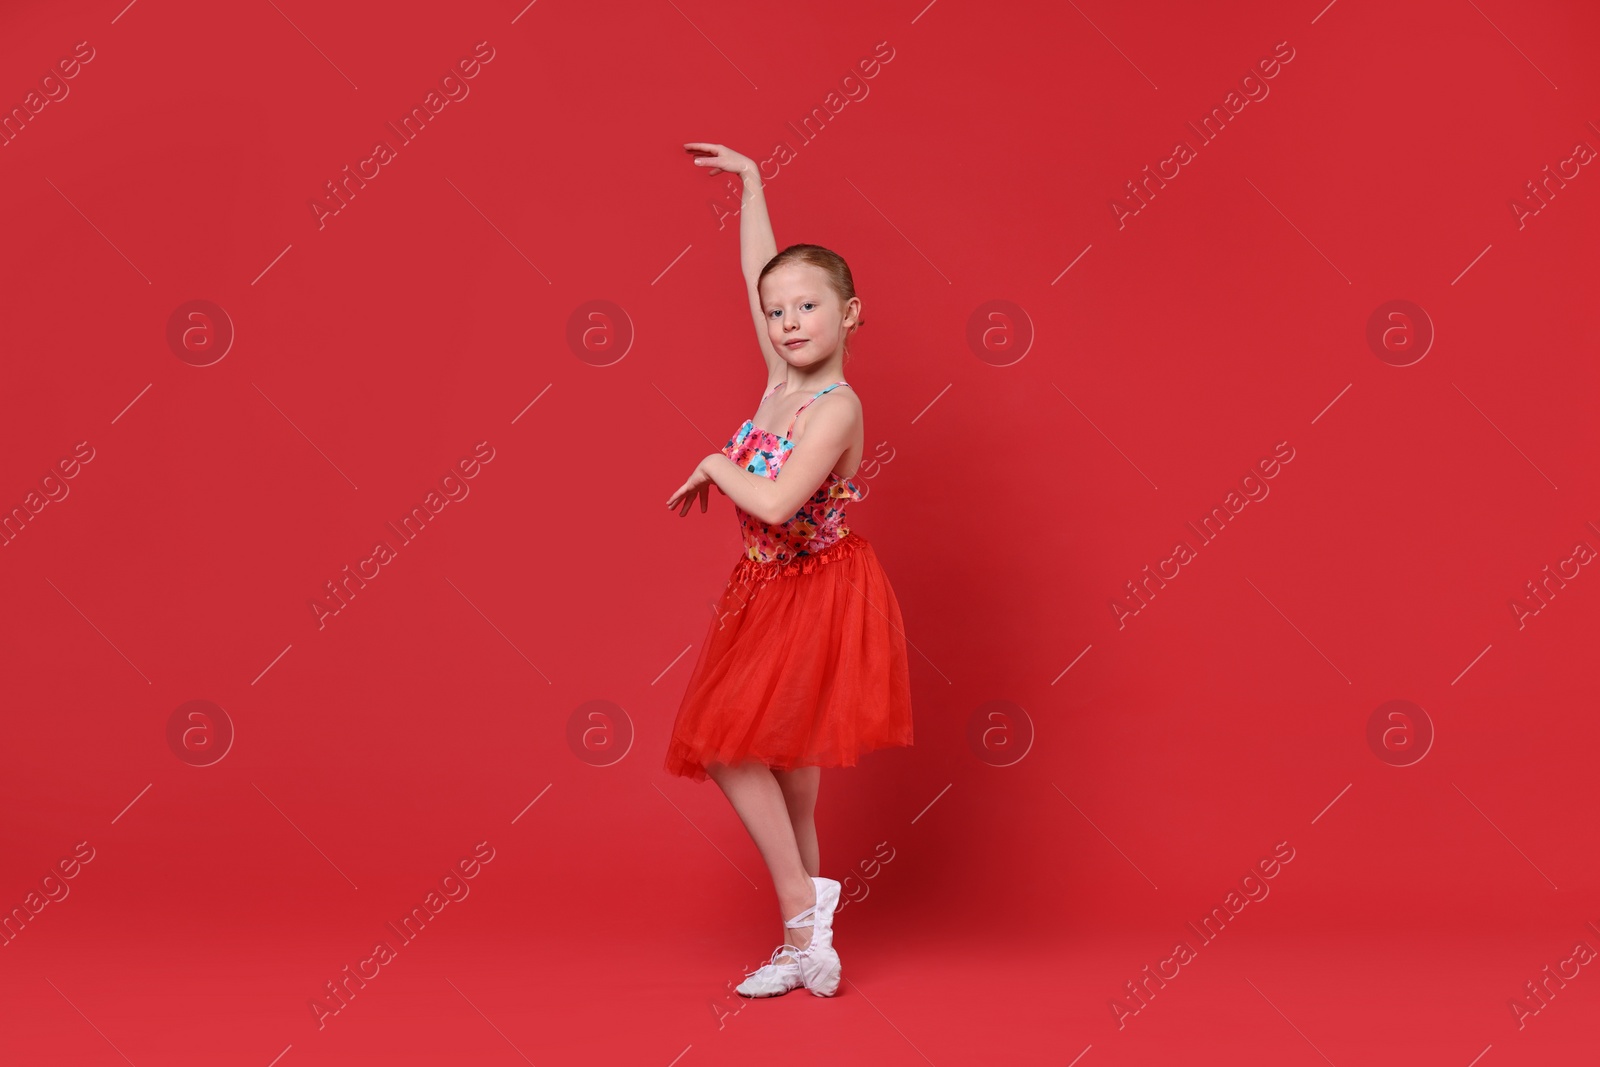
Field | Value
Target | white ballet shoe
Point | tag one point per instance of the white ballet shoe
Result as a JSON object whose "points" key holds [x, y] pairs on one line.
{"points": [[773, 979], [821, 913], [820, 970]]}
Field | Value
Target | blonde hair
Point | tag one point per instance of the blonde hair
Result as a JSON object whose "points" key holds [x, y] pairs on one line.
{"points": [[830, 263]]}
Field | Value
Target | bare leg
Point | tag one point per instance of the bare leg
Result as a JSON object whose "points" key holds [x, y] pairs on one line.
{"points": [[800, 796], [754, 793]]}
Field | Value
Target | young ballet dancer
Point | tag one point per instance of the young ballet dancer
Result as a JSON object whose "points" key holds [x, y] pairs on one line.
{"points": [[804, 666]]}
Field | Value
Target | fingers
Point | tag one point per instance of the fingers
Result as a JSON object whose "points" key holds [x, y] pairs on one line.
{"points": [[691, 490], [707, 153]]}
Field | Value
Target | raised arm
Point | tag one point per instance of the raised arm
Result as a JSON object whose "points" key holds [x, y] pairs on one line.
{"points": [[756, 243]]}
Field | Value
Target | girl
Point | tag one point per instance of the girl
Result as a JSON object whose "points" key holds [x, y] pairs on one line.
{"points": [[805, 664]]}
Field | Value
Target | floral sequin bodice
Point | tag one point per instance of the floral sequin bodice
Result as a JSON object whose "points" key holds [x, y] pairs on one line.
{"points": [[820, 521]]}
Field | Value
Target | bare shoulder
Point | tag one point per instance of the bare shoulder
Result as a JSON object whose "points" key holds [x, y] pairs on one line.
{"points": [[848, 398], [840, 409]]}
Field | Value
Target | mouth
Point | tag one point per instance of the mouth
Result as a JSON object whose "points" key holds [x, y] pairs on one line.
{"points": [[796, 343]]}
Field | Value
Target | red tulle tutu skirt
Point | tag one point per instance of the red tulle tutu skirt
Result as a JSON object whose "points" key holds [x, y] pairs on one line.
{"points": [[804, 665]]}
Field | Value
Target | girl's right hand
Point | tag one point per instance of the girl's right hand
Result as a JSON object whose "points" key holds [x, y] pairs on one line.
{"points": [[718, 158]]}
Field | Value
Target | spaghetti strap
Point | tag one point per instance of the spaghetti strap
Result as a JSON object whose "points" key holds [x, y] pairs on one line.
{"points": [[831, 388]]}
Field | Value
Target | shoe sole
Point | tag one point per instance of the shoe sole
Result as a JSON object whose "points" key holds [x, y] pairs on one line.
{"points": [[764, 996]]}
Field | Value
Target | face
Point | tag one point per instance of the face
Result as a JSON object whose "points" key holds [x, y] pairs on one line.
{"points": [[806, 321]]}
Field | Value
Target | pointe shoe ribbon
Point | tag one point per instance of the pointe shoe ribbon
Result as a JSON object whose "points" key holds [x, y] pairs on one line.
{"points": [[820, 969], [820, 914], [772, 978]]}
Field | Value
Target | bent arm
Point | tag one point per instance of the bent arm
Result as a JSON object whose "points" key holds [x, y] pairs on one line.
{"points": [[829, 430]]}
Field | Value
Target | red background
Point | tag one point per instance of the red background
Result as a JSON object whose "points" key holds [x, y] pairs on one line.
{"points": [[997, 904]]}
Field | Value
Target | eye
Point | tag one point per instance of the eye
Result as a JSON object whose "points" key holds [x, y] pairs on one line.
{"points": [[808, 304]]}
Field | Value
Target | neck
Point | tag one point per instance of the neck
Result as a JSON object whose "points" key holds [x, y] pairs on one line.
{"points": [[813, 379]]}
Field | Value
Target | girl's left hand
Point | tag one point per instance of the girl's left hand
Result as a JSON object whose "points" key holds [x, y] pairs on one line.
{"points": [[698, 485]]}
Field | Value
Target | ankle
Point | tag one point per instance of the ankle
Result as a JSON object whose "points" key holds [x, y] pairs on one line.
{"points": [[798, 899]]}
